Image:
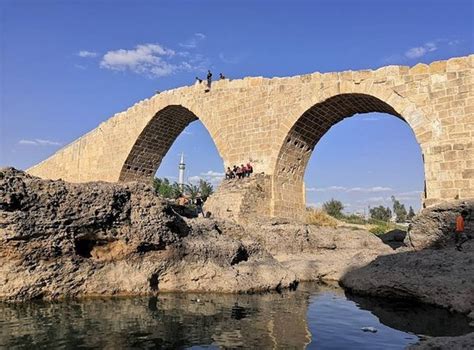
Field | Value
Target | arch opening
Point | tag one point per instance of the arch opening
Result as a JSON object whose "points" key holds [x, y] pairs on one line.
{"points": [[158, 138], [154, 142], [289, 198]]}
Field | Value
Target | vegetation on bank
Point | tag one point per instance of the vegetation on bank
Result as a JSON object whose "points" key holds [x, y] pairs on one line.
{"points": [[381, 219], [320, 218], [164, 188]]}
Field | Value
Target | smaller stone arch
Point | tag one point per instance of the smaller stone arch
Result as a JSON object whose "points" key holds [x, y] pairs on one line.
{"points": [[296, 149], [154, 142]]}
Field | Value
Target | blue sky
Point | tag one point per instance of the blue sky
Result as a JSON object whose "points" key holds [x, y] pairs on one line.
{"points": [[66, 66]]}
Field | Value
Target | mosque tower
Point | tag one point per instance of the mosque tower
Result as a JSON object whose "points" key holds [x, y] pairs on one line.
{"points": [[182, 166]]}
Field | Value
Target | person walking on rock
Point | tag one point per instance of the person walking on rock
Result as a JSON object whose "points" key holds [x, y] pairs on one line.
{"points": [[198, 202], [460, 235]]}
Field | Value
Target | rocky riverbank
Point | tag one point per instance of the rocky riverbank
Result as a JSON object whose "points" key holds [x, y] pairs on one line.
{"points": [[60, 240]]}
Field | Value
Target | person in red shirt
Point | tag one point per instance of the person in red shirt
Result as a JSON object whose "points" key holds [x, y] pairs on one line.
{"points": [[249, 169], [460, 235]]}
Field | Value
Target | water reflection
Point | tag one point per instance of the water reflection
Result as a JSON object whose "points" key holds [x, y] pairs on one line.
{"points": [[289, 320], [414, 318]]}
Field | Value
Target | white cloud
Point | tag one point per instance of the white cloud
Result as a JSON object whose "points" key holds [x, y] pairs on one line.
{"points": [[420, 51], [193, 42], [86, 54], [409, 193], [454, 42], [211, 173], [374, 200], [315, 205], [214, 177], [350, 189], [148, 59], [27, 142], [39, 142], [370, 189], [194, 179], [231, 60], [370, 119], [80, 66], [152, 60]]}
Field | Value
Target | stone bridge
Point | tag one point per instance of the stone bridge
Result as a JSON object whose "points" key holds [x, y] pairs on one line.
{"points": [[276, 123]]}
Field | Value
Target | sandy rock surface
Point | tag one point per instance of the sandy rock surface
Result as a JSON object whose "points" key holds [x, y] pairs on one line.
{"points": [[318, 253]]}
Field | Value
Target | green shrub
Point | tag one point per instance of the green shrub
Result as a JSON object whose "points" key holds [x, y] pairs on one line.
{"points": [[379, 229]]}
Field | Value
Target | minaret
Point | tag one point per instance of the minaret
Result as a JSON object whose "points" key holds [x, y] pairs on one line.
{"points": [[182, 166]]}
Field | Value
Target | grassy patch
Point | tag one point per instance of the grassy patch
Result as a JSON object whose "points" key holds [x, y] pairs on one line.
{"points": [[320, 218]]}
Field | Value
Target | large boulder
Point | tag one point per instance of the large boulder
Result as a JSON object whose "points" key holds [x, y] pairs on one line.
{"points": [[434, 226], [443, 277]]}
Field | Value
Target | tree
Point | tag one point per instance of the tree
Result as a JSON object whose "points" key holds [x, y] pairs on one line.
{"points": [[411, 214], [333, 208], [380, 213], [192, 191], [165, 189], [206, 189], [399, 210]]}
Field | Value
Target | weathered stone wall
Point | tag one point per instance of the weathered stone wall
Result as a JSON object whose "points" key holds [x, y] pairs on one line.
{"points": [[242, 200], [275, 123]]}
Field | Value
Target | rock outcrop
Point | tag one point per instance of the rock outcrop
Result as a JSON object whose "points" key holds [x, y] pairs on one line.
{"points": [[434, 226], [443, 277], [59, 239]]}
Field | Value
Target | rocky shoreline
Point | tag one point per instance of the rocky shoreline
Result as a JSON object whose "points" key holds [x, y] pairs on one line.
{"points": [[62, 240]]}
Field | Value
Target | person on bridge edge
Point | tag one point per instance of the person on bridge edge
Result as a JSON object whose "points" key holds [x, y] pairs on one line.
{"points": [[209, 79]]}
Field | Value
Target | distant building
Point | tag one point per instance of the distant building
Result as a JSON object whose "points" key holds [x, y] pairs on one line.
{"points": [[181, 167]]}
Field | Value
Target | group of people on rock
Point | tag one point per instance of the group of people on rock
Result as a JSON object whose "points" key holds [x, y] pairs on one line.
{"points": [[239, 171]]}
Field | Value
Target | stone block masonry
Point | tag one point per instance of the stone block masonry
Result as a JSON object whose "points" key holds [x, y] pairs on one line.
{"points": [[282, 120]]}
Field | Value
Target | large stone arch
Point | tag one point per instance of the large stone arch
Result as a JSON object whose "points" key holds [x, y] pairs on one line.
{"points": [[288, 192]]}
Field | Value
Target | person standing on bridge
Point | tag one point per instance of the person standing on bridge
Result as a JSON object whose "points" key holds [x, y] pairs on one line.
{"points": [[209, 79], [460, 236]]}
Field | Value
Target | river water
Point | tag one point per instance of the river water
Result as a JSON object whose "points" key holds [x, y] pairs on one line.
{"points": [[313, 316]]}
